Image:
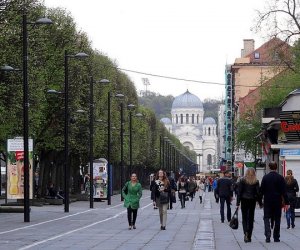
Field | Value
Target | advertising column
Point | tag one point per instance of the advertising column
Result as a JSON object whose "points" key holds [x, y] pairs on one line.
{"points": [[15, 168]]}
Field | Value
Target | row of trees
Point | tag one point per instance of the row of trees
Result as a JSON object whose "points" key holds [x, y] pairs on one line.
{"points": [[46, 71]]}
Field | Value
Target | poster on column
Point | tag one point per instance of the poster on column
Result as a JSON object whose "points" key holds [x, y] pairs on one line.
{"points": [[15, 168]]}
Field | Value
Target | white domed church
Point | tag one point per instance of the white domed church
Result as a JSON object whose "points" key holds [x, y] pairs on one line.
{"points": [[193, 131]]}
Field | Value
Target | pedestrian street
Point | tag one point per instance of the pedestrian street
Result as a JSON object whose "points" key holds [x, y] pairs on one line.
{"points": [[197, 226]]}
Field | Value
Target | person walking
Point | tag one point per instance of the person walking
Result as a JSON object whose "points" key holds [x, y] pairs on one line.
{"points": [[273, 190], [224, 191], [132, 193], [192, 186], [182, 190], [152, 185], [201, 189], [173, 189], [214, 187], [291, 188], [162, 190], [248, 194]]}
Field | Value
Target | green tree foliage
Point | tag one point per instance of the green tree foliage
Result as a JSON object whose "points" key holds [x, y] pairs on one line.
{"points": [[46, 71], [160, 104]]}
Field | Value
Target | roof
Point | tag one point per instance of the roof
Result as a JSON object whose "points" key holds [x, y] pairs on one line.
{"points": [[187, 100], [209, 120], [270, 52], [166, 120]]}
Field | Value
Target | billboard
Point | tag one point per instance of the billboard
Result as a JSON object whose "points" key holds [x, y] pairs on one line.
{"points": [[15, 168], [100, 178]]}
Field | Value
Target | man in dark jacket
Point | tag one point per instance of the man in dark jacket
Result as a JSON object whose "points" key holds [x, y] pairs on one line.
{"points": [[224, 191], [273, 190]]}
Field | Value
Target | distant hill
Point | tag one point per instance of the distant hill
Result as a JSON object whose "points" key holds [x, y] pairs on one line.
{"points": [[162, 105]]}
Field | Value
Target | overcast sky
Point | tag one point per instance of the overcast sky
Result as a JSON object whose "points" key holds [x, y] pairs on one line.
{"points": [[191, 39]]}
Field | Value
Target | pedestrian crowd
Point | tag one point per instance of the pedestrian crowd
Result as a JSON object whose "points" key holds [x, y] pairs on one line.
{"points": [[274, 194]]}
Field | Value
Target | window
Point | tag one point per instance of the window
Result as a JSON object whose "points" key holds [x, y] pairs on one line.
{"points": [[256, 55], [176, 119], [187, 118], [208, 131], [181, 118], [193, 118], [209, 160], [197, 119]]}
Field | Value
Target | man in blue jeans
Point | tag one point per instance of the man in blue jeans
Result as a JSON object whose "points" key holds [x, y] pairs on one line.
{"points": [[225, 193]]}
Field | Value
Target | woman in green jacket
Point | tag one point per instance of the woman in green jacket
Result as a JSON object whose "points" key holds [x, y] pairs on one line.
{"points": [[132, 193]]}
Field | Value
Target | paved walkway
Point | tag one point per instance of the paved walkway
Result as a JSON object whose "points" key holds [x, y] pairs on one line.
{"points": [[195, 227]]}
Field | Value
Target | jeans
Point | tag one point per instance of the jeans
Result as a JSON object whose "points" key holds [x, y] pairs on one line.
{"points": [[228, 203], [290, 217], [163, 214], [131, 216], [182, 199], [248, 209]]}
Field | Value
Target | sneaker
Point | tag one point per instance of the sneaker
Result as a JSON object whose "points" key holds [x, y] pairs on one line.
{"points": [[288, 227], [268, 240], [293, 226], [163, 228], [276, 240]]}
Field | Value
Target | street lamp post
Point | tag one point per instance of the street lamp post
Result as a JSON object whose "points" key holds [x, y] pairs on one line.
{"points": [[66, 126], [122, 146], [25, 110], [108, 149], [130, 107], [91, 140]]}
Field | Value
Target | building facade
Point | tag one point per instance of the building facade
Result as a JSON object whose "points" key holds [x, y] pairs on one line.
{"points": [[193, 130]]}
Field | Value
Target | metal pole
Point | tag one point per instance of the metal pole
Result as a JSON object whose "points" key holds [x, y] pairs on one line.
{"points": [[163, 154], [91, 142], [66, 134], [160, 151], [109, 184], [130, 142], [122, 148], [25, 120]]}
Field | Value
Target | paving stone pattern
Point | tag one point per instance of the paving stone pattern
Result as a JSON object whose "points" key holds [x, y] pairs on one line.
{"points": [[196, 227]]}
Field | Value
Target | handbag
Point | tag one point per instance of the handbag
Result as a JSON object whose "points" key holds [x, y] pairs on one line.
{"points": [[234, 222], [164, 198]]}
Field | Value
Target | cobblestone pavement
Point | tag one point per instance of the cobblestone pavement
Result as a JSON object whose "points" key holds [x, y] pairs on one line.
{"points": [[104, 227]]}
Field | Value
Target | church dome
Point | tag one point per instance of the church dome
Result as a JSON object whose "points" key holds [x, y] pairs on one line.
{"points": [[166, 120], [209, 120], [187, 100]]}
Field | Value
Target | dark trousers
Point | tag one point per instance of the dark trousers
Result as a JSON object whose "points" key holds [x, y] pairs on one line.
{"points": [[290, 217], [248, 209], [216, 196], [131, 216], [272, 216], [222, 203], [192, 195], [182, 199]]}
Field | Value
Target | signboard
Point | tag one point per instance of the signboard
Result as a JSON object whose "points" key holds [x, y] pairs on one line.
{"points": [[290, 125], [15, 168], [100, 178], [286, 152]]}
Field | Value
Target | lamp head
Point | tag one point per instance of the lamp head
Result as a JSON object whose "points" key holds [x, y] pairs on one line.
{"points": [[130, 106], [7, 68], [44, 20], [81, 55]]}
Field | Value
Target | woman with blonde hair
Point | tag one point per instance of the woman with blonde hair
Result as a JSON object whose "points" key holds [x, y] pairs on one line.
{"points": [[291, 188], [248, 195]]}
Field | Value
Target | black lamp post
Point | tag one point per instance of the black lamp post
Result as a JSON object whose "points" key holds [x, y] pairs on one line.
{"points": [[25, 110], [91, 140], [66, 127], [122, 146], [130, 107]]}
